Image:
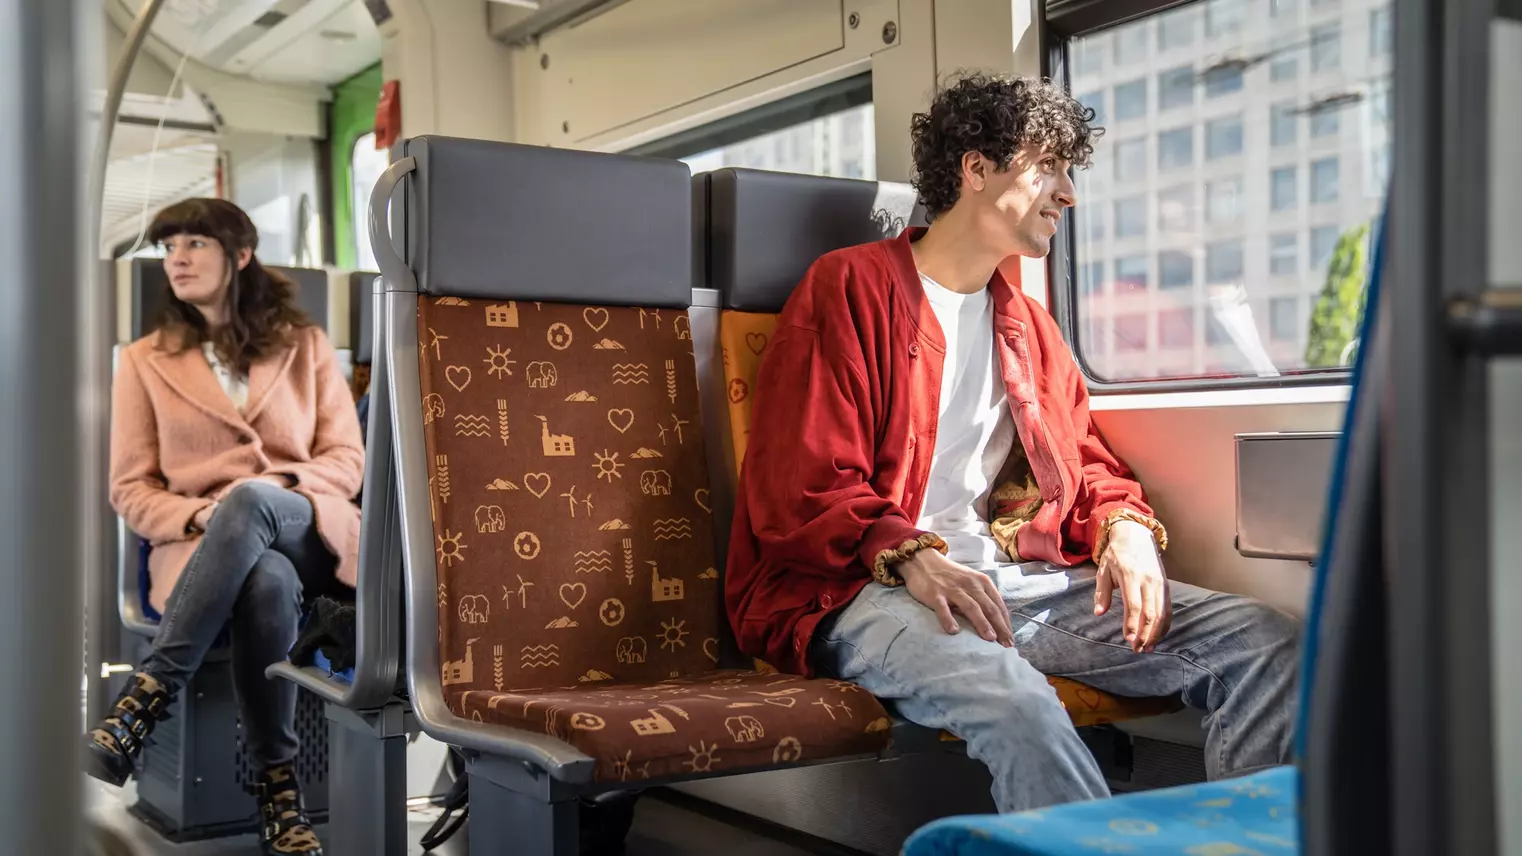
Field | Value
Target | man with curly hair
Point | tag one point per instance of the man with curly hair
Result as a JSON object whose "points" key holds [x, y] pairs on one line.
{"points": [[927, 509]]}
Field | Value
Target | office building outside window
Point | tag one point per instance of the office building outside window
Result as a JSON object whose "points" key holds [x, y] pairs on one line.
{"points": [[1231, 271]]}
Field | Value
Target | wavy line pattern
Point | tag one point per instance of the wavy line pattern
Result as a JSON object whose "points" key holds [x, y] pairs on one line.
{"points": [[540, 656], [471, 426], [631, 373], [672, 529], [593, 561]]}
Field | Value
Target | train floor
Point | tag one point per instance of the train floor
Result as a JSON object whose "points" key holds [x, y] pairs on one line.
{"points": [[661, 828]]}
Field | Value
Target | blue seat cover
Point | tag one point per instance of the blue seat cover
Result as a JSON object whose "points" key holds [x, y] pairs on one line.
{"points": [[1249, 816]]}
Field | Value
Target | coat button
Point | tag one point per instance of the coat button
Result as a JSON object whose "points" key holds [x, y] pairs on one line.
{"points": [[914, 350], [826, 601]]}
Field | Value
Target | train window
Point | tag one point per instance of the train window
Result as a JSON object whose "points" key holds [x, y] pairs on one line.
{"points": [[1272, 143], [366, 164], [826, 131]]}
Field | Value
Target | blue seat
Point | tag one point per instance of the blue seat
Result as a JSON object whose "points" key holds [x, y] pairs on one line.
{"points": [[1254, 815], [1233, 817]]}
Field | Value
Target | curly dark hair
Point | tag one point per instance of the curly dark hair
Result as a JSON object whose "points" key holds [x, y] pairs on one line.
{"points": [[993, 115], [263, 316]]}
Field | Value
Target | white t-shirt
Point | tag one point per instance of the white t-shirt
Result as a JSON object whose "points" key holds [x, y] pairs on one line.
{"points": [[235, 385], [972, 444]]}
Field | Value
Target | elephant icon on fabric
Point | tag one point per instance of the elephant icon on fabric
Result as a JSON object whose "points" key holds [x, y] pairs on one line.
{"points": [[744, 729], [474, 609], [655, 483], [541, 374], [489, 519], [631, 650], [433, 407]]}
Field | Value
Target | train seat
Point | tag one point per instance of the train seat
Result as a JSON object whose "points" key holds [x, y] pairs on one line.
{"points": [[361, 287], [564, 617], [767, 228]]}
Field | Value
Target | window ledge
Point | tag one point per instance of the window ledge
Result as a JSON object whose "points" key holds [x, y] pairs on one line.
{"points": [[1331, 394]]}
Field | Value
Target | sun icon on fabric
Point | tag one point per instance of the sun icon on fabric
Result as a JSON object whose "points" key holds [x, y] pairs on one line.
{"points": [[674, 633], [702, 757], [499, 362], [559, 336], [607, 465], [451, 548]]}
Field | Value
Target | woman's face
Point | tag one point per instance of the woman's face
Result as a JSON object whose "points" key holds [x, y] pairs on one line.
{"points": [[198, 270]]}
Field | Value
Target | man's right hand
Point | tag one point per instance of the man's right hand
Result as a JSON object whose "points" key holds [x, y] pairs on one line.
{"points": [[943, 586]]}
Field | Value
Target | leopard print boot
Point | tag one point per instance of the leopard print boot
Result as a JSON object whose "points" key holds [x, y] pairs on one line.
{"points": [[286, 828], [112, 749]]}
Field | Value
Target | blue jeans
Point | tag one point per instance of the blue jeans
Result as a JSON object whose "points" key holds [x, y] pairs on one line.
{"points": [[1230, 656], [260, 552]]}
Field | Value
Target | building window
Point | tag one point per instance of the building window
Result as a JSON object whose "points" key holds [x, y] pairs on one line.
{"points": [[1096, 102], [1131, 274], [1131, 100], [1091, 278], [1223, 81], [1215, 336], [1131, 159], [1326, 48], [1131, 332], [1283, 253], [1282, 188], [1223, 137], [1175, 148], [1284, 62], [1223, 200], [1085, 56], [1131, 43], [1381, 34], [1277, 8], [1223, 17], [1175, 209], [365, 168], [1325, 122], [1175, 328], [1175, 269], [1223, 263], [1175, 87], [1175, 29], [1324, 179], [1284, 319], [1130, 217], [1323, 244], [1283, 124], [1090, 222], [840, 144]]}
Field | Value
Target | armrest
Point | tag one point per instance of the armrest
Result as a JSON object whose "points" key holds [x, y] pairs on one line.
{"points": [[129, 595]]}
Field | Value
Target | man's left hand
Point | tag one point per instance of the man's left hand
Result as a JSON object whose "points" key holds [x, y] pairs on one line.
{"points": [[1130, 565]]}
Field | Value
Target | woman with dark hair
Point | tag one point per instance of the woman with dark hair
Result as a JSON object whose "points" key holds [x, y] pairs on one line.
{"points": [[236, 451]]}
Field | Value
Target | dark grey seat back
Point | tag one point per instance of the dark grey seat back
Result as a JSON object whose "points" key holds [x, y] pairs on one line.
{"points": [[150, 288], [766, 228]]}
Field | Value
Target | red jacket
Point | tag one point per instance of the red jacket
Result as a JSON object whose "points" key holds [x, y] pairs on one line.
{"points": [[844, 431]]}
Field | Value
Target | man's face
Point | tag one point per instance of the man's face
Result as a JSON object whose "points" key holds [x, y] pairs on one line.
{"points": [[1020, 207]]}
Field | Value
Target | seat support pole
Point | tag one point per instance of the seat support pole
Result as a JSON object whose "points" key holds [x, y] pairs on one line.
{"points": [[510, 804], [367, 781]]}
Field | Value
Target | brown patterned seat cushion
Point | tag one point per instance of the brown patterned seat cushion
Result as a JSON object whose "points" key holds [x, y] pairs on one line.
{"points": [[744, 336], [721, 721]]}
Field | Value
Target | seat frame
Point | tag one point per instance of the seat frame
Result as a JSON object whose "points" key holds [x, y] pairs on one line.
{"points": [[369, 721]]}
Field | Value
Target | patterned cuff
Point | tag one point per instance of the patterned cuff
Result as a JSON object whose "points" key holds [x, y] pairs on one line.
{"points": [[1159, 534], [882, 566]]}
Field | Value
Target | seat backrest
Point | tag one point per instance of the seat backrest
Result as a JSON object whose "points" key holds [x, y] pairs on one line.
{"points": [[362, 328], [765, 230], [572, 531], [150, 287]]}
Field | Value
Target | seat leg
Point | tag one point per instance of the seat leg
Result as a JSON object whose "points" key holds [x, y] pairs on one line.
{"points": [[367, 793], [505, 821]]}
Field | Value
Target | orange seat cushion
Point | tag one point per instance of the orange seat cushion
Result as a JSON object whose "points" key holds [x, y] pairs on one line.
{"points": [[724, 721], [744, 337]]}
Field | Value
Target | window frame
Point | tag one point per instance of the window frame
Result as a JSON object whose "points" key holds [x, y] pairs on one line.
{"points": [[1063, 21]]}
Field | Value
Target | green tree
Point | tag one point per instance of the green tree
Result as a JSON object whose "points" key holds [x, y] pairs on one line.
{"points": [[1339, 309]]}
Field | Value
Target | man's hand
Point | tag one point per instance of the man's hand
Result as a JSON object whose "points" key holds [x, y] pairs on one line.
{"points": [[943, 585], [1131, 565]]}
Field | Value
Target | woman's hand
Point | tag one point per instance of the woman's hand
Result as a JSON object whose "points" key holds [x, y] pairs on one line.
{"points": [[203, 517]]}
